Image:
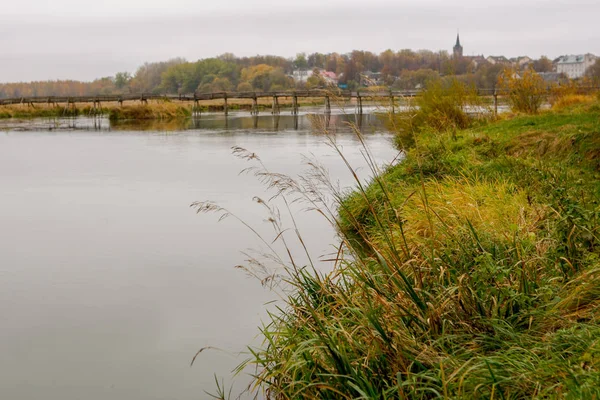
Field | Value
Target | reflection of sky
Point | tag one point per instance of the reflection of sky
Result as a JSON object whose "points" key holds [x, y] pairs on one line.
{"points": [[109, 282]]}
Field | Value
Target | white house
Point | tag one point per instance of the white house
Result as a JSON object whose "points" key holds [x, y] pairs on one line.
{"points": [[302, 75], [574, 66]]}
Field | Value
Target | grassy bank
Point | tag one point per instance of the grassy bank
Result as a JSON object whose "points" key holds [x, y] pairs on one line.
{"points": [[469, 270], [161, 110]]}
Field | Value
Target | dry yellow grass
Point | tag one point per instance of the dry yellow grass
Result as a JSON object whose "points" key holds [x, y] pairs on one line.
{"points": [[572, 99]]}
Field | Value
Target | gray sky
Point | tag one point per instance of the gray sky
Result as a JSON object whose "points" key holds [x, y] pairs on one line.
{"points": [[83, 39]]}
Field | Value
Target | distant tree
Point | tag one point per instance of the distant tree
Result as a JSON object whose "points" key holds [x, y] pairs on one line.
{"points": [[317, 60], [262, 76], [148, 77], [122, 79], [593, 72], [544, 64], [245, 87], [221, 85], [301, 62], [410, 80]]}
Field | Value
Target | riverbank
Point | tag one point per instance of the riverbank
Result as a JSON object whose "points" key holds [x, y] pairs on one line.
{"points": [[472, 271]]}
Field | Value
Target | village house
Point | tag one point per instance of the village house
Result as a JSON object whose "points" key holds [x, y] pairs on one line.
{"points": [[302, 75], [575, 66], [521, 62], [500, 60]]}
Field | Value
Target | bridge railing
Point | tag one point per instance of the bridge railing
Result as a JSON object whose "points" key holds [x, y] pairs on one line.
{"points": [[323, 93]]}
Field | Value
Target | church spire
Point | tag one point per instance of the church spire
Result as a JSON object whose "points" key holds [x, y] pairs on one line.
{"points": [[458, 49]]}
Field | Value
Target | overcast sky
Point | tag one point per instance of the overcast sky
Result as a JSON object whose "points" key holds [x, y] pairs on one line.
{"points": [[83, 39]]}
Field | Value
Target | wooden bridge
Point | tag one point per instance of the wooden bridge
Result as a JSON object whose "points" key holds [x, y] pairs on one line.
{"points": [[327, 95]]}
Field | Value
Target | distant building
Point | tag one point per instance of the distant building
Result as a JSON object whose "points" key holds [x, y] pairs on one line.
{"points": [[500, 60], [370, 78], [302, 75], [553, 77], [329, 76], [476, 61], [574, 66], [521, 62], [457, 50]]}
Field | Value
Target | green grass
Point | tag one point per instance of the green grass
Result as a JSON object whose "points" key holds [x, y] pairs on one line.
{"points": [[470, 270]]}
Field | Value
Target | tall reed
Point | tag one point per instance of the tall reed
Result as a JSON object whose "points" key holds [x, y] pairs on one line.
{"points": [[469, 270]]}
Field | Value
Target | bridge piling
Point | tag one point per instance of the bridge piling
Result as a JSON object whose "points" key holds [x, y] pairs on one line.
{"points": [[327, 105], [295, 104], [225, 108], [254, 106], [359, 104], [275, 108], [495, 104]]}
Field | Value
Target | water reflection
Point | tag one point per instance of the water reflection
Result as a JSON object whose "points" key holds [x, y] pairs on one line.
{"points": [[213, 122], [270, 123]]}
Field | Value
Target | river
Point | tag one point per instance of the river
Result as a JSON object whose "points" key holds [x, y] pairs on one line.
{"points": [[109, 281]]}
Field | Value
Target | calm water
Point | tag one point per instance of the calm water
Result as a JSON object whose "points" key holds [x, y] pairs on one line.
{"points": [[109, 282]]}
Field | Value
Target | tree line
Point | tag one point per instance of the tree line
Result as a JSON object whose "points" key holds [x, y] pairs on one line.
{"points": [[404, 69]]}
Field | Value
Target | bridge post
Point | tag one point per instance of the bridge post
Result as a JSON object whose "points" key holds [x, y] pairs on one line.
{"points": [[225, 108], [254, 105], [392, 105], [359, 103], [66, 107], [327, 105], [295, 104], [495, 103], [196, 107], [275, 108]]}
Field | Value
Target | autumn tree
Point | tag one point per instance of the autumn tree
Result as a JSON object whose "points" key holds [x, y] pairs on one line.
{"points": [[593, 72], [301, 62], [526, 90], [147, 78], [544, 64], [122, 79]]}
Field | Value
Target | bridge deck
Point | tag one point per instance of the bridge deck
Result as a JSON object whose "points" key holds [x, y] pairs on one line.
{"points": [[194, 97], [214, 96]]}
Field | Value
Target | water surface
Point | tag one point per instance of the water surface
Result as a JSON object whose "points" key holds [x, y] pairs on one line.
{"points": [[109, 282]]}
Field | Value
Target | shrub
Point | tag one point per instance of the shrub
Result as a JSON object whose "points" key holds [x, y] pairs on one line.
{"points": [[442, 106], [526, 90]]}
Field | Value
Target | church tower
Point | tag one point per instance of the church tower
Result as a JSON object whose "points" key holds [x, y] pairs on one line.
{"points": [[458, 49]]}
